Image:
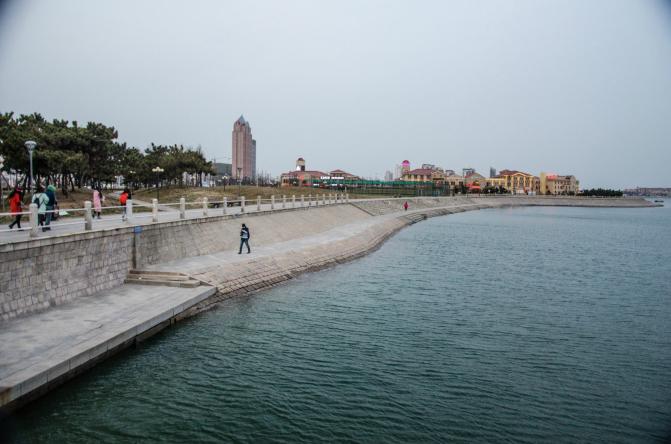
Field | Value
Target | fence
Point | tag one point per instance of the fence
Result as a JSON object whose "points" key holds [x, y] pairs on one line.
{"points": [[171, 211]]}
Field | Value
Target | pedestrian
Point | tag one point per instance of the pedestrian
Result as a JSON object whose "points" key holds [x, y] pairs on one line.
{"points": [[98, 200], [16, 207], [405, 205], [51, 205], [41, 200], [125, 195], [244, 239]]}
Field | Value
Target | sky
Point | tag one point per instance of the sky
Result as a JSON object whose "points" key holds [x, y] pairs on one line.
{"points": [[564, 86]]}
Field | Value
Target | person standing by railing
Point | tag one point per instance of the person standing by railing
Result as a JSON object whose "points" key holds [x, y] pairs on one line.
{"points": [[41, 200], [98, 199], [122, 200], [51, 205], [16, 207]]}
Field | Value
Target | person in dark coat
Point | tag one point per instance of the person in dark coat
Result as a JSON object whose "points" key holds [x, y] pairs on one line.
{"points": [[244, 239]]}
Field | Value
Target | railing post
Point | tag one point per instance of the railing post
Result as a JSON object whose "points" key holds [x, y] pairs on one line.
{"points": [[242, 204], [316, 200], [293, 201], [154, 210], [309, 200], [272, 202], [323, 198], [284, 201], [182, 208], [225, 204], [258, 203], [205, 205], [88, 216], [347, 197], [302, 200], [129, 209], [33, 219]]}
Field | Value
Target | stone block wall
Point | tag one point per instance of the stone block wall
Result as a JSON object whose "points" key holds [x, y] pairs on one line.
{"points": [[40, 273]]}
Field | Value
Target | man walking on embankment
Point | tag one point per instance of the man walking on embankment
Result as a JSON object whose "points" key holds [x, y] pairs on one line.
{"points": [[244, 239]]}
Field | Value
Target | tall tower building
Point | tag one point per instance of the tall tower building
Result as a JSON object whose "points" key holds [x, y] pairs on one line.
{"points": [[244, 151]]}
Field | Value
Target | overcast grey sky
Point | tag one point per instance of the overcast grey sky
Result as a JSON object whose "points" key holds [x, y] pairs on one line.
{"points": [[566, 86]]}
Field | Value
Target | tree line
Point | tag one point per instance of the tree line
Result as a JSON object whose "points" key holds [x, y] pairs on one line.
{"points": [[601, 192], [71, 155]]}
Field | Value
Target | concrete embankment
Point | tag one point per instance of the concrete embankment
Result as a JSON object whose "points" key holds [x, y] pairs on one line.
{"points": [[77, 311]]}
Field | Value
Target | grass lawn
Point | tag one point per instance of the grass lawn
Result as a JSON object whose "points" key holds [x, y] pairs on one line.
{"points": [[196, 194]]}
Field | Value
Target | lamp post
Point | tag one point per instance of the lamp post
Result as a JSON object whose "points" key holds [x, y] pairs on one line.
{"points": [[158, 170], [2, 164], [30, 145], [131, 173], [239, 181]]}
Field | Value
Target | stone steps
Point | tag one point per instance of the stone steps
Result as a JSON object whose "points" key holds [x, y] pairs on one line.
{"points": [[165, 278]]}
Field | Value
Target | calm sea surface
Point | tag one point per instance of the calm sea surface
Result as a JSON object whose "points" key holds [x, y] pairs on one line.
{"points": [[515, 325]]}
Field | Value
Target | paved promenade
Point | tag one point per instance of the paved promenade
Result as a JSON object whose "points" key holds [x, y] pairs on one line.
{"points": [[68, 225], [39, 349]]}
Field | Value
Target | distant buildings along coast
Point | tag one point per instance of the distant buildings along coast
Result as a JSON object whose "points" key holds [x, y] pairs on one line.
{"points": [[508, 181]]}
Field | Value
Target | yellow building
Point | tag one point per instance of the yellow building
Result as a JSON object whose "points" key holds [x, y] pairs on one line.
{"points": [[518, 182], [555, 184], [495, 182], [423, 175]]}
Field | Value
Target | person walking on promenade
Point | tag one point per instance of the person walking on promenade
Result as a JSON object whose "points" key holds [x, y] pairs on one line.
{"points": [[16, 207], [51, 205], [98, 200], [405, 205], [244, 239], [122, 200], [41, 200]]}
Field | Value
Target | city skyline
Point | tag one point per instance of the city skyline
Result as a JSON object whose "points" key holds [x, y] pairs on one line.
{"points": [[454, 83]]}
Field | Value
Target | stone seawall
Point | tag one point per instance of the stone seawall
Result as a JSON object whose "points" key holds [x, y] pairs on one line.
{"points": [[40, 273]]}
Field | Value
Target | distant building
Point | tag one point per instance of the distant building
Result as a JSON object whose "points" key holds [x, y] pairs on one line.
{"points": [[475, 182], [301, 177], [244, 151], [223, 169], [388, 176], [454, 180], [555, 184], [518, 182], [423, 175], [466, 171], [492, 172]]}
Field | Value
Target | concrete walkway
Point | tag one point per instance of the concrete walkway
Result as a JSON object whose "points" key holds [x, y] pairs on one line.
{"points": [[68, 225], [43, 349]]}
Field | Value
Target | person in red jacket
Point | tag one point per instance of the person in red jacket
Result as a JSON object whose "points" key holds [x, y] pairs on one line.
{"points": [[16, 206], [123, 198], [405, 205]]}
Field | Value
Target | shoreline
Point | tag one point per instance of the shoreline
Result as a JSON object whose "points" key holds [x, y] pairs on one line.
{"points": [[225, 275]]}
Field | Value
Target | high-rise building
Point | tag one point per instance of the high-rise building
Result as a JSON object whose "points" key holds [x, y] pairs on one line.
{"points": [[244, 151], [492, 172], [466, 171]]}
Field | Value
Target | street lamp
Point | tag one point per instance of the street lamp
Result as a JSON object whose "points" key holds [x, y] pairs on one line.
{"points": [[130, 173], [30, 145], [239, 181], [158, 170], [2, 164]]}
